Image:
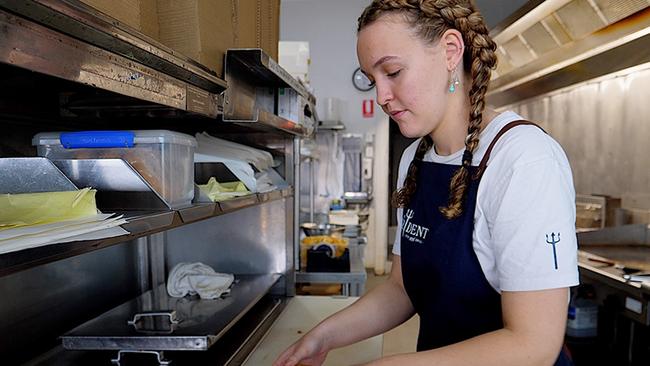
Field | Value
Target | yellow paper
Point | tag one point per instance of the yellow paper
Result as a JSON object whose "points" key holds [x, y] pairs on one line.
{"points": [[222, 191], [41, 208]]}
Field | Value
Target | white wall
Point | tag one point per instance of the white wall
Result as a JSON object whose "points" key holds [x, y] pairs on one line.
{"points": [[330, 27]]}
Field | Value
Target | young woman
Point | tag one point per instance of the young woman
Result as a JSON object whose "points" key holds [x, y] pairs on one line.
{"points": [[486, 249]]}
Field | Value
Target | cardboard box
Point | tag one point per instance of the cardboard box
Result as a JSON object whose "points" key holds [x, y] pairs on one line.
{"points": [[139, 14], [270, 27], [200, 29], [258, 25]]}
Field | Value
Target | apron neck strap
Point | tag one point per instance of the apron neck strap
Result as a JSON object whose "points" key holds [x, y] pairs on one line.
{"points": [[483, 165]]}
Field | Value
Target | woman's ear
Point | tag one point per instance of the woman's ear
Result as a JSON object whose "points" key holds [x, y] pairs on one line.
{"points": [[452, 40]]}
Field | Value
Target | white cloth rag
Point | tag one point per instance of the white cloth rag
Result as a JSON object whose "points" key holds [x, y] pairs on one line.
{"points": [[198, 278]]}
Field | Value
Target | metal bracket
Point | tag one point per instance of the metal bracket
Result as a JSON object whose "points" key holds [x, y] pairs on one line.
{"points": [[159, 356], [168, 327], [169, 313]]}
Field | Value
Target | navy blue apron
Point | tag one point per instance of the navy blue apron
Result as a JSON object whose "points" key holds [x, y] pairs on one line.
{"points": [[442, 275]]}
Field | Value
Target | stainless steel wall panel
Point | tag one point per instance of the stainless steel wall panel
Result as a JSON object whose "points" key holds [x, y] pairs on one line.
{"points": [[40, 304], [604, 127], [636, 89], [248, 241]]}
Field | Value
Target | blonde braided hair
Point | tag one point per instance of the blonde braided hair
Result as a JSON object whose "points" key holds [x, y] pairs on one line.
{"points": [[430, 19]]}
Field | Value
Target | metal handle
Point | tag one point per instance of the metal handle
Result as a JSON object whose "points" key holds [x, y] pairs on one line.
{"points": [[159, 356], [171, 314]]}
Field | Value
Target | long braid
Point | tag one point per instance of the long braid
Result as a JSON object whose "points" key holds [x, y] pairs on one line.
{"points": [[431, 19], [482, 59], [402, 196]]}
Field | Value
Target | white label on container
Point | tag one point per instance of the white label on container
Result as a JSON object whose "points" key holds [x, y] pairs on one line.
{"points": [[633, 305], [583, 318]]}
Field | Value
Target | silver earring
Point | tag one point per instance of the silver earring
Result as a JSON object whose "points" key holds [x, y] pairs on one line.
{"points": [[455, 81]]}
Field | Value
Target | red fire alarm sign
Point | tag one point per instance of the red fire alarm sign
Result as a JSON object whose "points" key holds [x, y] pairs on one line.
{"points": [[368, 108]]}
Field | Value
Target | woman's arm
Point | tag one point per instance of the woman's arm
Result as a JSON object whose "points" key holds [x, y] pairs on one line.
{"points": [[533, 332], [381, 309]]}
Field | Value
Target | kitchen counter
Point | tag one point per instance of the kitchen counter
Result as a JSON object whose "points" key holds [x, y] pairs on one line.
{"points": [[301, 314], [635, 296]]}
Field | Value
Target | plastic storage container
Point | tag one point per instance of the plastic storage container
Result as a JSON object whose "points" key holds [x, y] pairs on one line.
{"points": [[165, 159], [582, 321]]}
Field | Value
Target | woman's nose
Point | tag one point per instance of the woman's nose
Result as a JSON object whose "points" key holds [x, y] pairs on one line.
{"points": [[384, 95]]}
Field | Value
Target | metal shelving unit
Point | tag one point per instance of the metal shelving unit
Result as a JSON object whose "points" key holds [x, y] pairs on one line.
{"points": [[69, 43], [121, 72], [266, 71], [140, 224]]}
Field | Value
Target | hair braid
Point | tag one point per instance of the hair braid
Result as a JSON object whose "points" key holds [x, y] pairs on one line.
{"points": [[402, 196], [431, 18], [482, 59]]}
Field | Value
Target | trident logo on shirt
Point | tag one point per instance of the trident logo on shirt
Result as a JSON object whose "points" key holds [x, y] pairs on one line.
{"points": [[553, 242]]}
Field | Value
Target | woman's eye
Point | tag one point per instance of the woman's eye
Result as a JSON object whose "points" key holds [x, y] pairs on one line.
{"points": [[393, 74]]}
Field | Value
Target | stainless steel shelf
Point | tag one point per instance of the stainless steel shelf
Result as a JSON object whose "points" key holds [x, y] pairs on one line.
{"points": [[251, 77], [200, 322], [266, 70], [139, 224], [279, 123], [73, 42]]}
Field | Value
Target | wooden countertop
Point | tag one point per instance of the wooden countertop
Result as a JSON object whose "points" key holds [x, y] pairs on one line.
{"points": [[301, 314]]}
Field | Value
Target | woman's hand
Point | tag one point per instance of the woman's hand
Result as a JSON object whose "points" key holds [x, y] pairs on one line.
{"points": [[309, 350]]}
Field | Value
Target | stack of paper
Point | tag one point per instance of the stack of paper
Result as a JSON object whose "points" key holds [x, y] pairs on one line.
{"points": [[94, 227], [29, 220]]}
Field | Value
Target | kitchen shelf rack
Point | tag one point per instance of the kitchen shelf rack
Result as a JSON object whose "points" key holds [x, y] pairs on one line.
{"points": [[140, 224], [76, 43], [67, 65], [253, 83], [266, 71]]}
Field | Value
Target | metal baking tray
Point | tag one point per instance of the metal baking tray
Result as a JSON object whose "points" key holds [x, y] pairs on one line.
{"points": [[155, 321]]}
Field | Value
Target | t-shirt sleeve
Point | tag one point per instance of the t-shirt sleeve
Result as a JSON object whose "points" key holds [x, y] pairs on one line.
{"points": [[405, 161], [533, 230]]}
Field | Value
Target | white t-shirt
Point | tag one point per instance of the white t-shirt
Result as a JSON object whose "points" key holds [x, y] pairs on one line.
{"points": [[526, 200]]}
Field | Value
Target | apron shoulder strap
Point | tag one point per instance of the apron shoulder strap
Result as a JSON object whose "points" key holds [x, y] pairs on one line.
{"points": [[483, 165]]}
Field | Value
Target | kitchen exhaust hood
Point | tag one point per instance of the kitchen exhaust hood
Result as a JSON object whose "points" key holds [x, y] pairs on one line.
{"points": [[548, 45]]}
